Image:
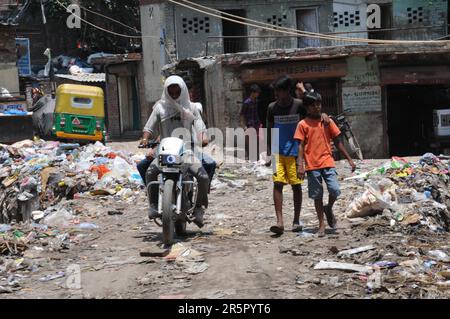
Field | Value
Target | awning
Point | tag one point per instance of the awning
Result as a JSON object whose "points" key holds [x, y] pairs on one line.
{"points": [[88, 77]]}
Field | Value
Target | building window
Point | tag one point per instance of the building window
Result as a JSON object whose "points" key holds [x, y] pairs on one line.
{"points": [[415, 15], [196, 25], [82, 103], [307, 20], [277, 21], [347, 19], [235, 34]]}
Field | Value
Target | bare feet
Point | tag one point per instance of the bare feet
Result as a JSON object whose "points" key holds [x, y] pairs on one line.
{"points": [[321, 232]]}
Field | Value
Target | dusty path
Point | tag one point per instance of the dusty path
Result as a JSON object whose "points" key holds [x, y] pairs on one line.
{"points": [[243, 259]]}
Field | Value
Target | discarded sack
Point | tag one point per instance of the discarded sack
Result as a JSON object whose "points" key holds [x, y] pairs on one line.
{"points": [[374, 200]]}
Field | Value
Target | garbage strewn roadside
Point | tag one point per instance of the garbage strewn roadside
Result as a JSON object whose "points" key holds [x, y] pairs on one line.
{"points": [[407, 193], [37, 175]]}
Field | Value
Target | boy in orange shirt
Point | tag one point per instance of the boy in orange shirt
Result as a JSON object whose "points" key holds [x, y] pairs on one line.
{"points": [[315, 149]]}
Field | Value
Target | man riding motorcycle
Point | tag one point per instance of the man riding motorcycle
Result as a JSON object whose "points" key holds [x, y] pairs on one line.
{"points": [[175, 111]]}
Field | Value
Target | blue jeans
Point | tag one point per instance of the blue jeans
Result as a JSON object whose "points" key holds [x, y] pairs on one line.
{"points": [[315, 183], [143, 166], [209, 164]]}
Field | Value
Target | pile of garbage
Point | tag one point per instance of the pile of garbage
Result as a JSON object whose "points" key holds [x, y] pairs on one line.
{"points": [[407, 193], [64, 64], [36, 175]]}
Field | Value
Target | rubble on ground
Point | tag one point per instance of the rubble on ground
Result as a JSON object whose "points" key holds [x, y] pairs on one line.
{"points": [[397, 250], [39, 183], [407, 193], [37, 175]]}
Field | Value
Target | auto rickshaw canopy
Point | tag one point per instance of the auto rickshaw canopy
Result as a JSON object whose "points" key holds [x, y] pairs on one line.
{"points": [[80, 99]]}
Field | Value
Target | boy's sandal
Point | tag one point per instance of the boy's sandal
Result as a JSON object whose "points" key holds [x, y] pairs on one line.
{"points": [[296, 228], [277, 230], [331, 219]]}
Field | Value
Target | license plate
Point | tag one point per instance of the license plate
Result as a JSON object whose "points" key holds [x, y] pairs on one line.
{"points": [[170, 170]]}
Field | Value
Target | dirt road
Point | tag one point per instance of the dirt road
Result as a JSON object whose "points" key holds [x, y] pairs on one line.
{"points": [[235, 255]]}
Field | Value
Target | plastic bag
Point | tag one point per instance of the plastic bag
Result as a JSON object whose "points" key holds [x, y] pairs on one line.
{"points": [[374, 200], [60, 218], [101, 170], [107, 181], [83, 166], [121, 168], [136, 178], [125, 193]]}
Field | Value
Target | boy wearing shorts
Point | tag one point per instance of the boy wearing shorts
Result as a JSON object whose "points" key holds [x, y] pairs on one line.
{"points": [[284, 115], [314, 137]]}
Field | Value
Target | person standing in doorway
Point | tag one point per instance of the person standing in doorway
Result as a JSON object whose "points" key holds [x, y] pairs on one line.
{"points": [[249, 118], [208, 163]]}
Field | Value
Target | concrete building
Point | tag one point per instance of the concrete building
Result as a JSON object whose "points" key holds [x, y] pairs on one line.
{"points": [[190, 33], [10, 12], [382, 89], [9, 76], [387, 92], [124, 93]]}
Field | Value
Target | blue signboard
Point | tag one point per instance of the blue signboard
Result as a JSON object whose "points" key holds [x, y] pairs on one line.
{"points": [[23, 56]]}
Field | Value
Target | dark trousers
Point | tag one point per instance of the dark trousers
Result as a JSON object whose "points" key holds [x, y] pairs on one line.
{"points": [[210, 165], [196, 170], [207, 162]]}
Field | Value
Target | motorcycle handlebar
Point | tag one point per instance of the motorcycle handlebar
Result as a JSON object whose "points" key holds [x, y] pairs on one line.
{"points": [[149, 145]]}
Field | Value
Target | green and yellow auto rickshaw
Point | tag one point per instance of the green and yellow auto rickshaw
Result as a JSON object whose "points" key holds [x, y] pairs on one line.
{"points": [[79, 113]]}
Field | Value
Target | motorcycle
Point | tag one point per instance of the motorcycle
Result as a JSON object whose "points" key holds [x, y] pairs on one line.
{"points": [[178, 189], [346, 130]]}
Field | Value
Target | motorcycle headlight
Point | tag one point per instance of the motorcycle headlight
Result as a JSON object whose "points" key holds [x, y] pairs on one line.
{"points": [[170, 160]]}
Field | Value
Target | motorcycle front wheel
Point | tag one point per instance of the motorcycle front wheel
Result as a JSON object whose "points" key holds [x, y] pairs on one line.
{"points": [[168, 212], [180, 228]]}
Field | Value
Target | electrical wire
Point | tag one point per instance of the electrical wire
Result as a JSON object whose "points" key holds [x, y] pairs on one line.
{"points": [[106, 30], [290, 31], [109, 18], [299, 32]]}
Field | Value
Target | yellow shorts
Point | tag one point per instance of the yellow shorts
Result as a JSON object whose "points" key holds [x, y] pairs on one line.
{"points": [[286, 170]]}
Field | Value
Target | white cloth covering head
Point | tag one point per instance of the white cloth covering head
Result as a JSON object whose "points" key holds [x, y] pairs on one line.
{"points": [[183, 101], [198, 107]]}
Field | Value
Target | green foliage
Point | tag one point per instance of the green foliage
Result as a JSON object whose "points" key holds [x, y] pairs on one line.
{"points": [[124, 11]]}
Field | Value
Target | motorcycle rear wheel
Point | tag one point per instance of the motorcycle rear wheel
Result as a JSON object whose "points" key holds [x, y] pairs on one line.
{"points": [[168, 212]]}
